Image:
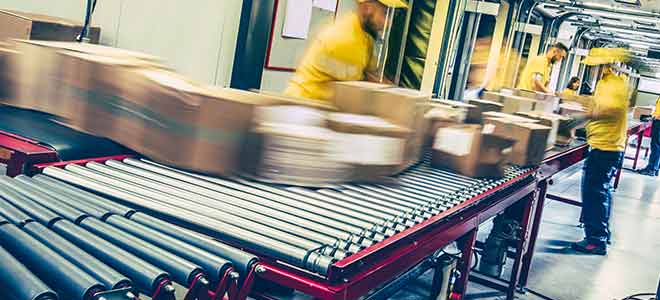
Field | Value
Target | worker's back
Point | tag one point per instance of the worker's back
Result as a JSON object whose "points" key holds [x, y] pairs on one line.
{"points": [[341, 53], [609, 133]]}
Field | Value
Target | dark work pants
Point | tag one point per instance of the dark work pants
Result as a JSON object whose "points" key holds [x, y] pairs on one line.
{"points": [[654, 159], [598, 171]]}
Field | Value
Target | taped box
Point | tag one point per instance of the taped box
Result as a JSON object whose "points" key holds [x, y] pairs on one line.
{"points": [[467, 151], [530, 139]]}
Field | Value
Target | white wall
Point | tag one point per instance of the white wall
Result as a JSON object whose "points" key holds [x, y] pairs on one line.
{"points": [[277, 81], [196, 37]]}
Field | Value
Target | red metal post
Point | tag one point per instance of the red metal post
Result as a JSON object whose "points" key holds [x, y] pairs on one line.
{"points": [[522, 248], [536, 225], [640, 137], [466, 244]]}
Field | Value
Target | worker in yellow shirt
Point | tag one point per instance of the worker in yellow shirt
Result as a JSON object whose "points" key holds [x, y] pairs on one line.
{"points": [[572, 87], [654, 160], [536, 74], [343, 51], [606, 135]]}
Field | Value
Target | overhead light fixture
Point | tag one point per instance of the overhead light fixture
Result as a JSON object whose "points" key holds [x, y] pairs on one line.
{"points": [[635, 3]]}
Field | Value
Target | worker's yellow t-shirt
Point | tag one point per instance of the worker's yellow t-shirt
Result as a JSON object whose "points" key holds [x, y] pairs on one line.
{"points": [[536, 66], [570, 92], [656, 112], [342, 52], [611, 98]]}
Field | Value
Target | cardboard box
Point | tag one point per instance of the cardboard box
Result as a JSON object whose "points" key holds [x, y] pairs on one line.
{"points": [[549, 106], [640, 111], [492, 96], [556, 122], [473, 112], [531, 139], [39, 67], [29, 26], [514, 104], [570, 108], [6, 73], [294, 154], [535, 95], [441, 116], [482, 107], [355, 97], [512, 117], [465, 150]]}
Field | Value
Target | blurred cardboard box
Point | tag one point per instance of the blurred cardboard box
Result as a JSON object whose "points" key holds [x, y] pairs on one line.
{"points": [[294, 154], [6, 74], [29, 26], [467, 151], [514, 104], [355, 97], [373, 146], [40, 66], [472, 112], [556, 122], [534, 95], [512, 117], [530, 139], [570, 108], [397, 105], [441, 116], [642, 111], [483, 106]]}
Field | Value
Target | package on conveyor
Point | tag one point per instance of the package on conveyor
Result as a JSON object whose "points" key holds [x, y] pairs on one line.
{"points": [[30, 26], [640, 112], [400, 106], [523, 101], [6, 78], [372, 146], [561, 126], [483, 106], [472, 112], [40, 68], [466, 150], [530, 139], [568, 108], [442, 115], [531, 94]]}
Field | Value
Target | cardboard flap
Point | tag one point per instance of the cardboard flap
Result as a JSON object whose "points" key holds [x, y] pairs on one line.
{"points": [[40, 18]]}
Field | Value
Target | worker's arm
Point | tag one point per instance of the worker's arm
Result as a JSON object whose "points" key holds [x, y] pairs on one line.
{"points": [[539, 85]]}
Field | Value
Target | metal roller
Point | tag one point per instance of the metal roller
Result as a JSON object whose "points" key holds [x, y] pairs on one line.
{"points": [[405, 217], [74, 209], [53, 184], [68, 280], [197, 209], [422, 212], [257, 241], [180, 270], [309, 205], [33, 209], [243, 200], [18, 283], [13, 214], [226, 204], [110, 278], [241, 260], [256, 195], [146, 277], [214, 266], [389, 220], [350, 189]]}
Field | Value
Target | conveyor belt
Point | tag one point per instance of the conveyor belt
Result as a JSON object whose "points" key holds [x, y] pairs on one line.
{"points": [[307, 228], [66, 246]]}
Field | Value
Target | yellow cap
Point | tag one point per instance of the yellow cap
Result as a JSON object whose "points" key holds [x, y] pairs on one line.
{"points": [[604, 56], [390, 3]]}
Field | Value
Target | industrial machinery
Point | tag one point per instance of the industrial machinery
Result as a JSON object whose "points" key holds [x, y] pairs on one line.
{"points": [[340, 242]]}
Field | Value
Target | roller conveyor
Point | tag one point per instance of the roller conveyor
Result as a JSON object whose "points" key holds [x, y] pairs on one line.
{"points": [[112, 253], [306, 228]]}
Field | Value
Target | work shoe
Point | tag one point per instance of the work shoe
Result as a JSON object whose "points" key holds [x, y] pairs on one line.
{"points": [[590, 247], [648, 172]]}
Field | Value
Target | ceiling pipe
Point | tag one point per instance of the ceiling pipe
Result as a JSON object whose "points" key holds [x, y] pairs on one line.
{"points": [[616, 10]]}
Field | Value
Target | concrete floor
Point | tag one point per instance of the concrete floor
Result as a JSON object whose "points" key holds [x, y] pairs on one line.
{"points": [[631, 266]]}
